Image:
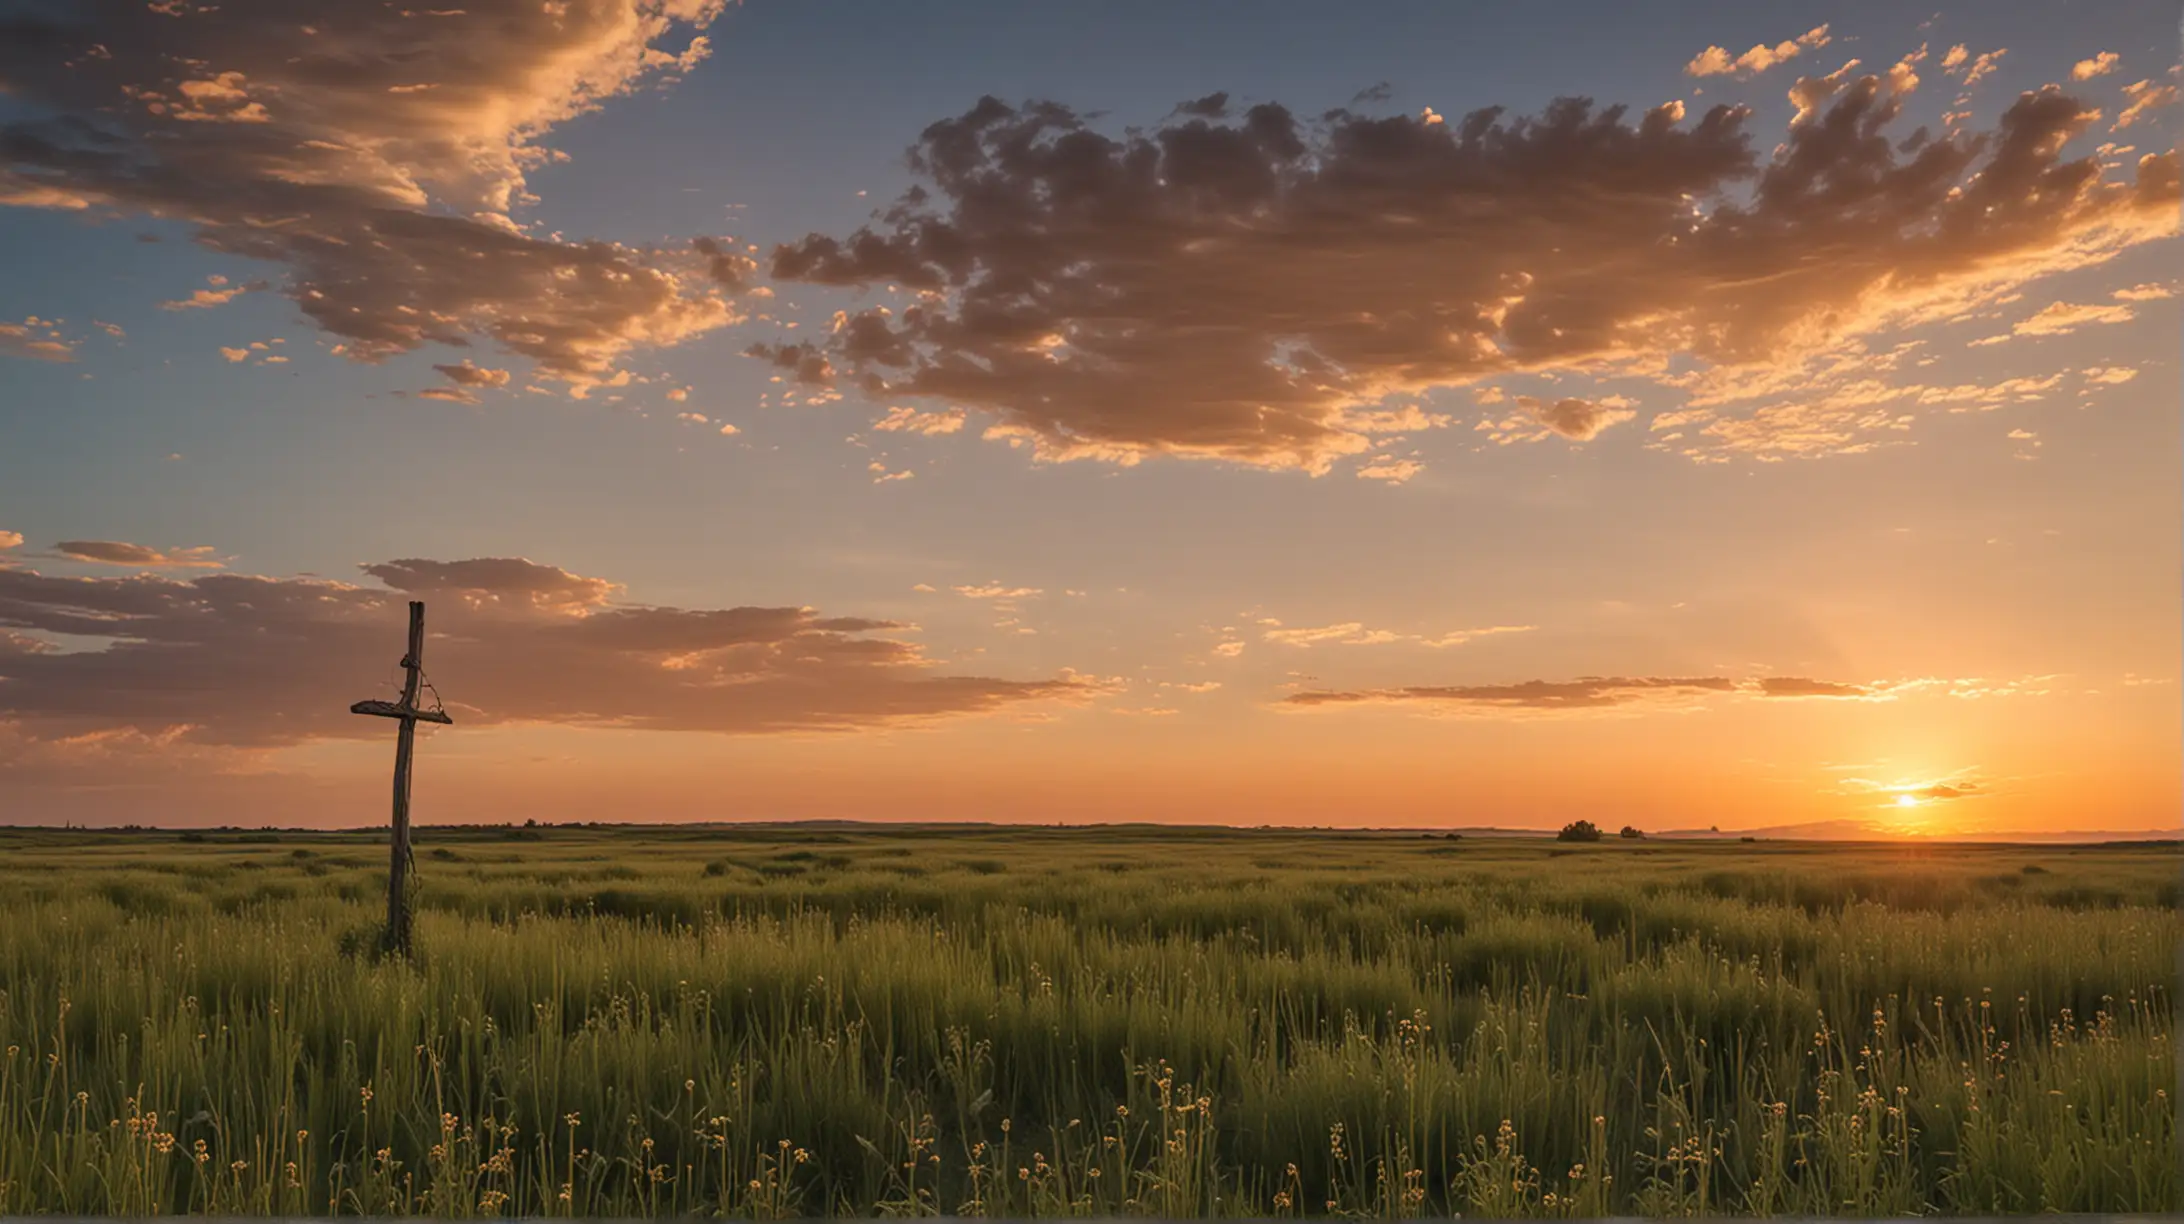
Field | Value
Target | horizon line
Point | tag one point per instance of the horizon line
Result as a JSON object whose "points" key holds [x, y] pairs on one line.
{"points": [[1774, 834]]}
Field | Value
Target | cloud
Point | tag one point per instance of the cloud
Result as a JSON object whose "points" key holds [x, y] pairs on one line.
{"points": [[1971, 68], [1717, 61], [910, 420], [2099, 65], [1904, 77], [468, 375], [380, 155], [10, 539], [452, 395], [1576, 419], [2144, 293], [206, 299], [235, 354], [1393, 471], [1001, 596], [1458, 637], [2142, 98], [1608, 692], [116, 552], [2061, 318], [1945, 790], [1798, 686], [1351, 633], [1354, 633], [2110, 375], [1845, 417], [1587, 693], [248, 661], [36, 338], [1240, 288]]}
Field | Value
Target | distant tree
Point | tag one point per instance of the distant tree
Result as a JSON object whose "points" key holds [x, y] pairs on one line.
{"points": [[1633, 832], [1579, 831]]}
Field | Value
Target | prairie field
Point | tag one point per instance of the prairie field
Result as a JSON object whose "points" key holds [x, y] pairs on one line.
{"points": [[890, 1020]]}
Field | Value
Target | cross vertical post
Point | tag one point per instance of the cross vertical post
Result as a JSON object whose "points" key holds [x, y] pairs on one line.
{"points": [[398, 864], [405, 740]]}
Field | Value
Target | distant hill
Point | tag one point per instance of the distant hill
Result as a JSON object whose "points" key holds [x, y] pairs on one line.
{"points": [[1861, 830]]}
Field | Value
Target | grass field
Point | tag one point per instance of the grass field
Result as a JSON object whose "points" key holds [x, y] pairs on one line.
{"points": [[870, 1020]]}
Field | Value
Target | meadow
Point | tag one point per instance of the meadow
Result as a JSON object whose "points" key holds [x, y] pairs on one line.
{"points": [[873, 1020]]}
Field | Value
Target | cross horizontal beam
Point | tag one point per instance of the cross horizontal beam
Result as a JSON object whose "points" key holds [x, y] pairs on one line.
{"points": [[395, 709]]}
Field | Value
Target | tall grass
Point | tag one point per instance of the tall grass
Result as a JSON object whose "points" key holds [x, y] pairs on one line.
{"points": [[774, 1024]]}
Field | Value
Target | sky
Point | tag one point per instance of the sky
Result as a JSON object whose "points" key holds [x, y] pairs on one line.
{"points": [[1682, 415]]}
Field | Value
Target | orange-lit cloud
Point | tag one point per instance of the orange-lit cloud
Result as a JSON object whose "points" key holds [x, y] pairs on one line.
{"points": [[240, 660], [1717, 61], [219, 295], [1576, 419], [380, 155], [2142, 98], [1390, 470], [1354, 633], [1799, 686], [468, 375], [2099, 65], [1605, 692], [1244, 286], [910, 420], [2062, 318], [116, 552], [1588, 693], [1969, 68], [36, 338]]}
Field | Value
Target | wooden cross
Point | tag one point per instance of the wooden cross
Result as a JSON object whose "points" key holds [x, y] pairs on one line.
{"points": [[398, 916]]}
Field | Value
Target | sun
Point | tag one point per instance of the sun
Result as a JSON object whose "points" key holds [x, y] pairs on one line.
{"points": [[1905, 801]]}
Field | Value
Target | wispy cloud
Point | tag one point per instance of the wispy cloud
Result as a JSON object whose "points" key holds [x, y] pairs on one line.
{"points": [[117, 552]]}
